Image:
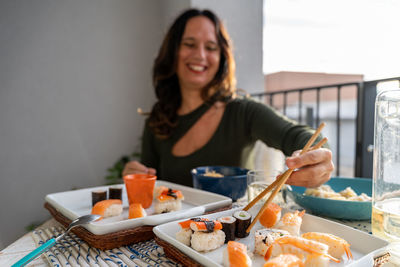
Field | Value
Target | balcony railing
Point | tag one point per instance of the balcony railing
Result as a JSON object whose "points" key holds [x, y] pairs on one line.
{"points": [[348, 109]]}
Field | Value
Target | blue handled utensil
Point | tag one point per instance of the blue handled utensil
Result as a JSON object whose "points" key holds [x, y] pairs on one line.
{"points": [[77, 222]]}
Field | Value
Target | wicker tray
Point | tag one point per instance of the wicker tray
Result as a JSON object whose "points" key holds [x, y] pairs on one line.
{"points": [[111, 240], [175, 254]]}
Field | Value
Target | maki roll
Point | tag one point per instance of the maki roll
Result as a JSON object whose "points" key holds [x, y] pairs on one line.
{"points": [[98, 195], [243, 220], [264, 238], [115, 192], [229, 227]]}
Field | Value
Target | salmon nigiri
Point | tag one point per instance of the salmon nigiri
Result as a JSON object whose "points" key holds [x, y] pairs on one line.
{"points": [[108, 208], [235, 255], [271, 215], [136, 211]]}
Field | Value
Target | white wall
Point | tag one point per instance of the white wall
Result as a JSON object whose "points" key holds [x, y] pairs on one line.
{"points": [[72, 74]]}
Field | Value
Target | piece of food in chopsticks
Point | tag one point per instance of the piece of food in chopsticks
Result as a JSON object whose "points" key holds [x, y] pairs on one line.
{"points": [[264, 238], [271, 215], [291, 222], [325, 191], [229, 227], [235, 255], [201, 234], [285, 260], [337, 246], [108, 208], [136, 211], [167, 200], [98, 195], [315, 253], [243, 220]]}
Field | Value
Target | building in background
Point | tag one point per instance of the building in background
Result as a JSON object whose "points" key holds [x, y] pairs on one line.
{"points": [[306, 112]]}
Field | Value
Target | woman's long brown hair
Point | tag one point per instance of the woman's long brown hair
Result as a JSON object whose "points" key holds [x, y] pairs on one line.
{"points": [[163, 116]]}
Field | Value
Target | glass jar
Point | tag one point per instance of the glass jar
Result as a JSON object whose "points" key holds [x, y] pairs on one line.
{"points": [[386, 170]]}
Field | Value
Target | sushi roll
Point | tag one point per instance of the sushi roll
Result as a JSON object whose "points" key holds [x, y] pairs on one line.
{"points": [[235, 255], [229, 227], [98, 196], [264, 238], [168, 200], [136, 211], [243, 220], [271, 215], [115, 192], [205, 241], [108, 208]]}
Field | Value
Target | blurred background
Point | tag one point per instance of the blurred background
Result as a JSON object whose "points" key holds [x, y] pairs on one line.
{"points": [[73, 74]]}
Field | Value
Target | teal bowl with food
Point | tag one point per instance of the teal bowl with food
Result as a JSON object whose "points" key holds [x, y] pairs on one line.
{"points": [[340, 203]]}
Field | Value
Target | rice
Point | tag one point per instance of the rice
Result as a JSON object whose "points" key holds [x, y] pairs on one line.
{"points": [[184, 236], [202, 241], [167, 206], [113, 210]]}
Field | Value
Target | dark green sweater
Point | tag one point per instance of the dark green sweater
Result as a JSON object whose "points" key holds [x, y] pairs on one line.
{"points": [[244, 122]]}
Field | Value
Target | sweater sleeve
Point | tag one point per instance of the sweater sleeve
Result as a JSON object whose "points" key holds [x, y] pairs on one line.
{"points": [[275, 129], [149, 155]]}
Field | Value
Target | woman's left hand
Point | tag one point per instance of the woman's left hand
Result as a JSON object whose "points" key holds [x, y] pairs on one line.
{"points": [[312, 169]]}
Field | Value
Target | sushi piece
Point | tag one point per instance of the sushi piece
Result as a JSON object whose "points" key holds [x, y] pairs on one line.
{"points": [[264, 238], [205, 225], [235, 255], [136, 211], [300, 246], [184, 236], [204, 241], [167, 200], [243, 220], [291, 222], [108, 208], [337, 246], [98, 196], [115, 192], [271, 215], [285, 260], [229, 227]]}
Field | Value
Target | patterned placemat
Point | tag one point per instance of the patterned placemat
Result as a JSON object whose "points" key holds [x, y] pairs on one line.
{"points": [[73, 251]]}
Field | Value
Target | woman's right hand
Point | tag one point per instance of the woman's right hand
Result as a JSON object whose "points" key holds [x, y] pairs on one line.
{"points": [[137, 167]]}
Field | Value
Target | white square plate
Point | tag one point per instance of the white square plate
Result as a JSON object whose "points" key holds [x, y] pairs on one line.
{"points": [[73, 204], [361, 243]]}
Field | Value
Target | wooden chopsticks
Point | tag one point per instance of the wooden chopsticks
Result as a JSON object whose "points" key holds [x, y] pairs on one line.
{"points": [[278, 183]]}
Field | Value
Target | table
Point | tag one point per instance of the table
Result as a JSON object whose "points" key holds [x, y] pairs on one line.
{"points": [[26, 243]]}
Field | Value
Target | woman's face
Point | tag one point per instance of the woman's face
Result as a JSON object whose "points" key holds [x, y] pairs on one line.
{"points": [[199, 54]]}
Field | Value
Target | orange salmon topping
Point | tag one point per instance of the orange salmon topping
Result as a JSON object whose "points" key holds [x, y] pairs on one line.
{"points": [[170, 195], [270, 215]]}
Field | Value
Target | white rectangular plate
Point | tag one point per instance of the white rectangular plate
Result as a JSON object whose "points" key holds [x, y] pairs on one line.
{"points": [[361, 243], [73, 204]]}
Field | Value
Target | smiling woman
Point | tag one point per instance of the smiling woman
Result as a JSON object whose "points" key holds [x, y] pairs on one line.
{"points": [[198, 119]]}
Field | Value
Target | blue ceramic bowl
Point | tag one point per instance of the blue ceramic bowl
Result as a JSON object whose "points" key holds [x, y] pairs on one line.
{"points": [[339, 209], [233, 184]]}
